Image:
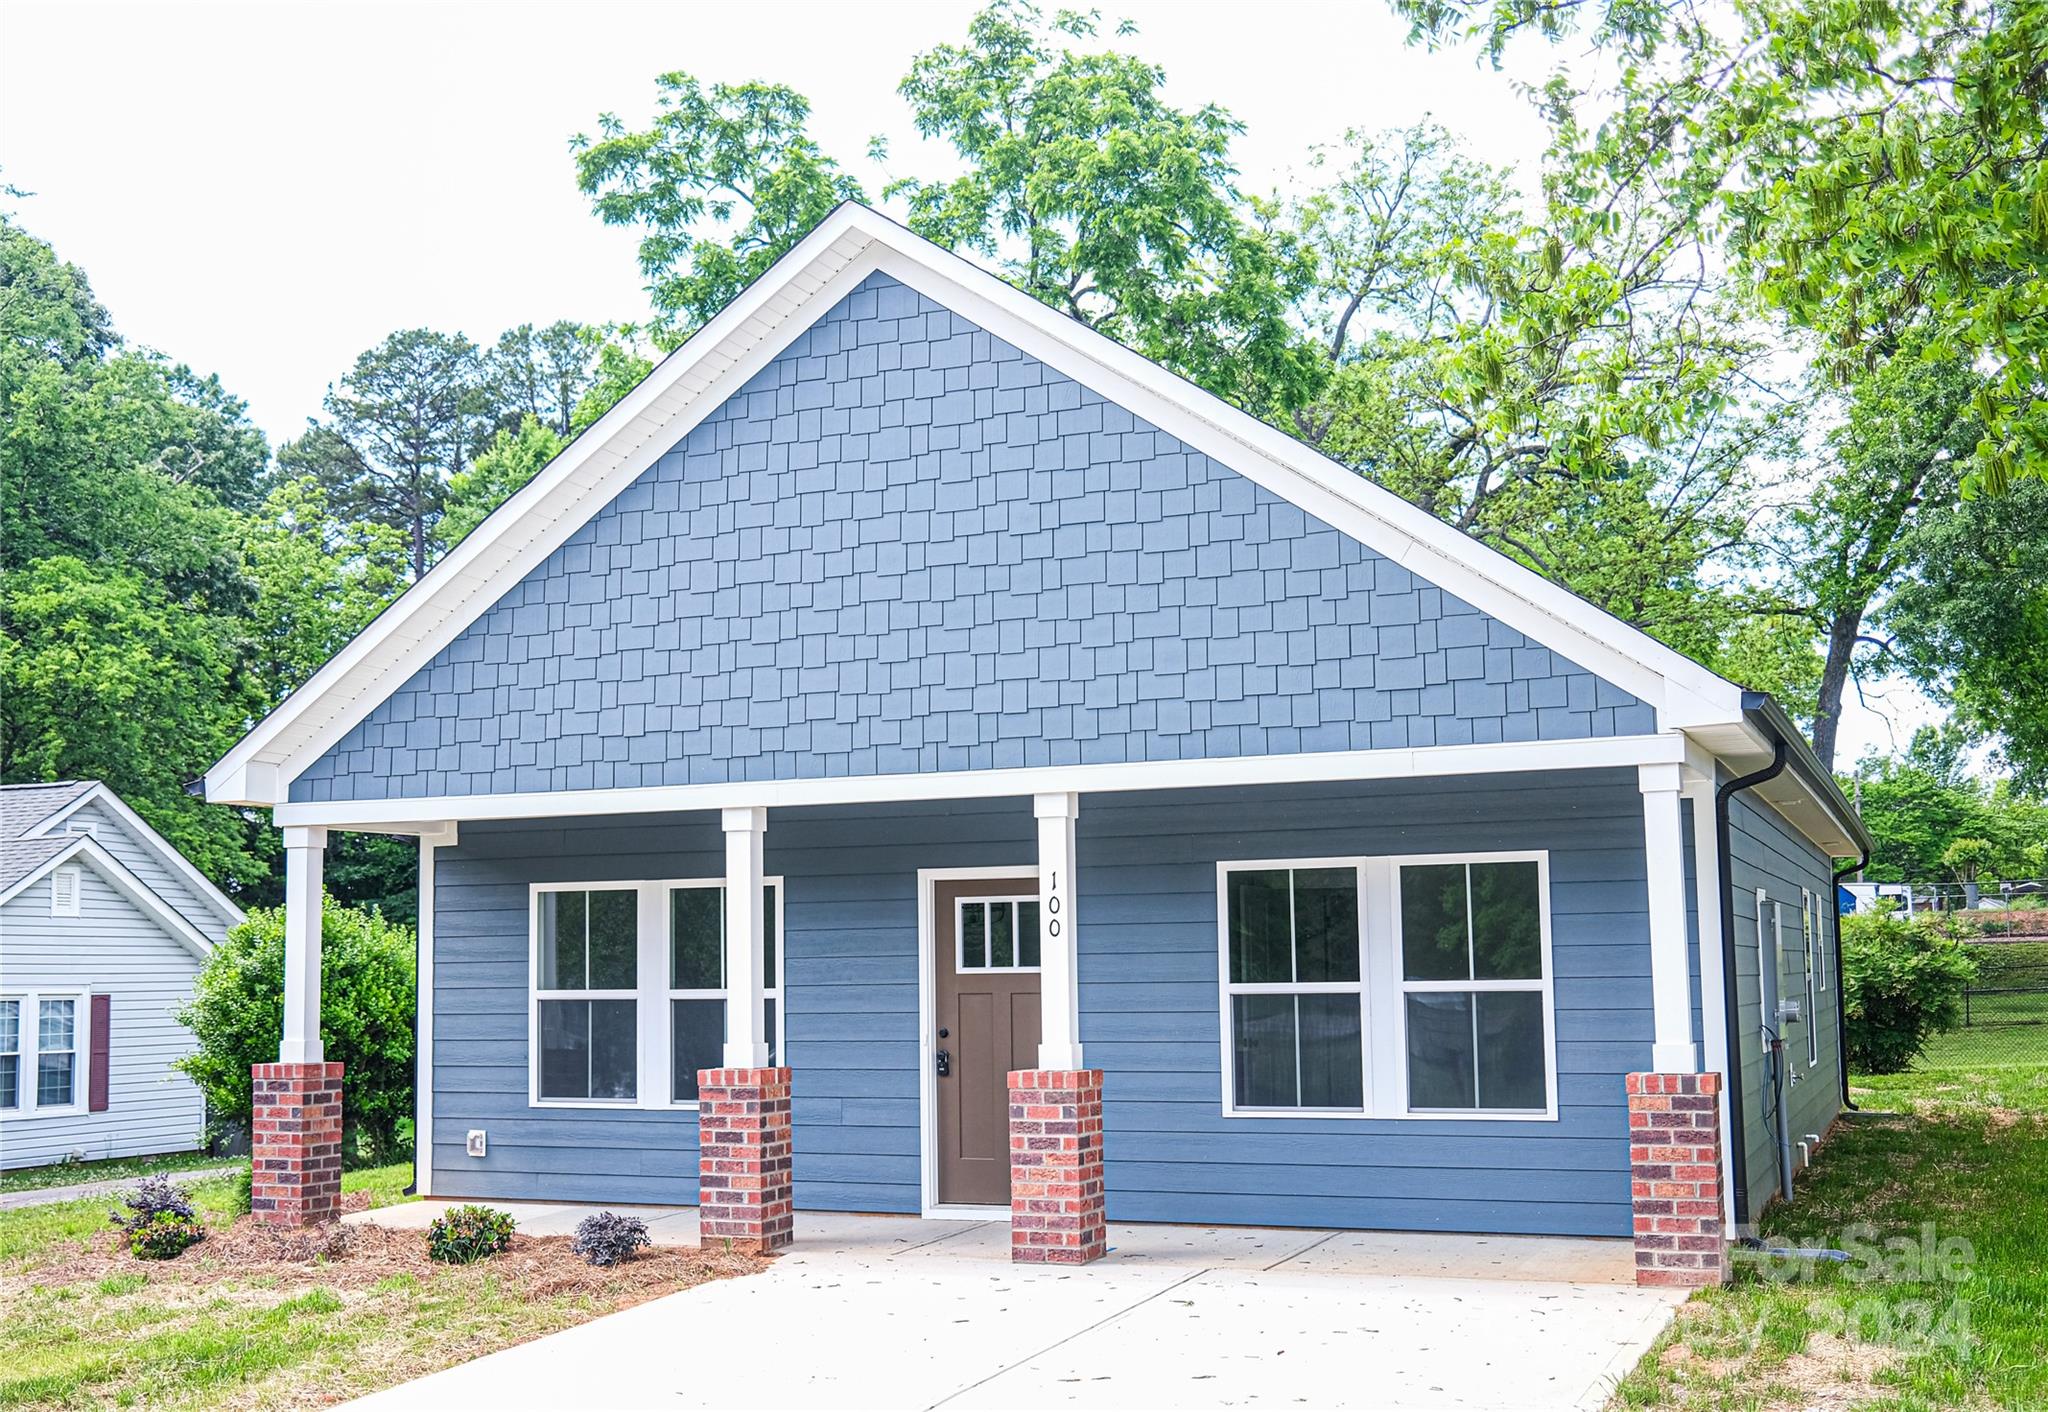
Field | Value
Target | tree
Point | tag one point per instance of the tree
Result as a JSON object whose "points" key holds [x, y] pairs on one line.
{"points": [[540, 373], [1880, 171], [1902, 984], [367, 997], [1919, 806], [407, 416], [512, 460]]}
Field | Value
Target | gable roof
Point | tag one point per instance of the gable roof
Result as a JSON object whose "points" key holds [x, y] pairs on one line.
{"points": [[32, 842], [84, 847], [720, 358]]}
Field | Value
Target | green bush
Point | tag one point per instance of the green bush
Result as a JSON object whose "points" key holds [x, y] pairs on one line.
{"points": [[1902, 984], [164, 1236], [468, 1234], [366, 1017]]}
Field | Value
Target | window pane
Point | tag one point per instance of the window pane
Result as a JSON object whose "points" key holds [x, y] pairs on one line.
{"points": [[614, 940], [1262, 1059], [10, 1026], [1511, 1068], [1440, 1051], [774, 1035], [1507, 922], [1326, 924], [697, 1041], [562, 928], [696, 938], [1332, 1058], [614, 1048], [1001, 937], [53, 1080], [565, 1048], [973, 936], [1027, 933], [10, 1080], [59, 1024], [770, 941], [1261, 941], [1433, 932]]}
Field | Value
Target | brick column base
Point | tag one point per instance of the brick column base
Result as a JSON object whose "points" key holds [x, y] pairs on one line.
{"points": [[1056, 1166], [1674, 1158], [744, 1200], [295, 1144]]}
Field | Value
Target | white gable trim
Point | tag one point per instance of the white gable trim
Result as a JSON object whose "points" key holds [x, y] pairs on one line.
{"points": [[124, 882], [744, 337], [150, 839]]}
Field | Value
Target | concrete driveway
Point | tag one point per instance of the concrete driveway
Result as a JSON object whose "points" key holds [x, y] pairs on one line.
{"points": [[881, 1312]]}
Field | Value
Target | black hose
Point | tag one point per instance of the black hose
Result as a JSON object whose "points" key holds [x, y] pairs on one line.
{"points": [[1730, 997], [1841, 993]]}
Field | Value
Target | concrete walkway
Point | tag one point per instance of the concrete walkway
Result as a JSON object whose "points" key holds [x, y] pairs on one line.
{"points": [[888, 1312], [49, 1195]]}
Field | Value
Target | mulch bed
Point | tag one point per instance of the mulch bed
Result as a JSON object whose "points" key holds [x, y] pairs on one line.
{"points": [[355, 1256]]}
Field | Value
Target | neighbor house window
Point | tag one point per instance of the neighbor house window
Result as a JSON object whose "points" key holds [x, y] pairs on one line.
{"points": [[588, 994], [996, 934], [40, 1043], [1296, 1026], [1473, 987], [697, 993], [630, 990], [1387, 986]]}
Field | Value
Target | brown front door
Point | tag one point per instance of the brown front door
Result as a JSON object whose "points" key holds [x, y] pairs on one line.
{"points": [[986, 940]]}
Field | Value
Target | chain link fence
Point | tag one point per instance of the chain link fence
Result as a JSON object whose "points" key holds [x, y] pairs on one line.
{"points": [[2004, 926]]}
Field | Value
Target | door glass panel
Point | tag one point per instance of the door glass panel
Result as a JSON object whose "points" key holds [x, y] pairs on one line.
{"points": [[1001, 938], [973, 936], [1027, 934]]}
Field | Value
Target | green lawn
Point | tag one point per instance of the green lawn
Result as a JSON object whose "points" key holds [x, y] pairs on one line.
{"points": [[110, 1169], [1941, 1185], [250, 1317]]}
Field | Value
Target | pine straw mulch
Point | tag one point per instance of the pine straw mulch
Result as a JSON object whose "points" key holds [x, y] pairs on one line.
{"points": [[351, 1256]]}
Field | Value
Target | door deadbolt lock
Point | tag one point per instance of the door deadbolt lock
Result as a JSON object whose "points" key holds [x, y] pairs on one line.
{"points": [[945, 1063]]}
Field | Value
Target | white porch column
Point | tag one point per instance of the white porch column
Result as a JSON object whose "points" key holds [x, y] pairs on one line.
{"points": [[1673, 1051], [746, 1034], [1059, 1033], [1699, 797], [305, 856]]}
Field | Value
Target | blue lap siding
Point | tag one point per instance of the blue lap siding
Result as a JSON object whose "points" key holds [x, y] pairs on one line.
{"points": [[1149, 1000]]}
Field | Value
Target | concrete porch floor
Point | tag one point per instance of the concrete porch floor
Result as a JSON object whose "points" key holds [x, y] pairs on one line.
{"points": [[882, 1311]]}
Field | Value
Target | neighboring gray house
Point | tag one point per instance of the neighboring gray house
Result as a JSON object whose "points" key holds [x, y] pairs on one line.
{"points": [[103, 927], [1044, 716]]}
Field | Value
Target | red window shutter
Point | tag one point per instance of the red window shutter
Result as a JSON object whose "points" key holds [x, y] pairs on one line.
{"points": [[96, 1073]]}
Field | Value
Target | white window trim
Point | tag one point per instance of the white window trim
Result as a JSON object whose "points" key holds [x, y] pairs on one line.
{"points": [[960, 966], [74, 876], [1381, 990], [653, 1084], [1809, 918], [30, 1041]]}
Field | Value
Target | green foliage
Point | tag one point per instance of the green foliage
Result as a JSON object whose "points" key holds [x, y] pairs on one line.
{"points": [[161, 1223], [540, 373], [236, 1015], [1918, 807], [467, 1234], [508, 463], [1902, 984]]}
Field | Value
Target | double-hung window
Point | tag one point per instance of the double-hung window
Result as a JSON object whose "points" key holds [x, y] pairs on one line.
{"points": [[41, 1040], [1387, 987], [630, 990]]}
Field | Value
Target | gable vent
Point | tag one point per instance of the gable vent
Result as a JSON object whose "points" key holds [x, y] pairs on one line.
{"points": [[64, 892], [82, 826]]}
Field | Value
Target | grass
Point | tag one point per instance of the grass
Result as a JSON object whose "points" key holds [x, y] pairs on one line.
{"points": [[109, 1169], [1939, 1188], [256, 1318], [2004, 1030]]}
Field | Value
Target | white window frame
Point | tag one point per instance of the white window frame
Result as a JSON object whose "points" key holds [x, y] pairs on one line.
{"points": [[70, 875], [1809, 927], [960, 906], [653, 1083], [1382, 991], [30, 1041]]}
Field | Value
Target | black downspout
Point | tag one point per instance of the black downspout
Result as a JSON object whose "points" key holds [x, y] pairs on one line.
{"points": [[1841, 995], [1730, 997]]}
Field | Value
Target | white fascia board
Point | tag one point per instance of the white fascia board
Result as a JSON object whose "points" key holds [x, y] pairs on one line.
{"points": [[152, 840], [696, 378], [1553, 755], [125, 883]]}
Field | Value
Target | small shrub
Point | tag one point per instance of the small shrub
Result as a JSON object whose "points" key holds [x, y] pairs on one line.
{"points": [[468, 1234], [1902, 984], [609, 1238], [242, 1194], [164, 1235]]}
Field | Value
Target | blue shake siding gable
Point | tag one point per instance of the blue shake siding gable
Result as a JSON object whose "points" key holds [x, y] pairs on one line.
{"points": [[1149, 1004], [906, 546]]}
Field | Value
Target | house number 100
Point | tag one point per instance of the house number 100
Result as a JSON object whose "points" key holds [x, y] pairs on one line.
{"points": [[1052, 905]]}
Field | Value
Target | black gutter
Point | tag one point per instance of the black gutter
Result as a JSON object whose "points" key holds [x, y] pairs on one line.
{"points": [[1841, 996], [1730, 994]]}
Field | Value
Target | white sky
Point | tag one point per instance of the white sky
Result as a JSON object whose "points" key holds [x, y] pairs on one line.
{"points": [[264, 190]]}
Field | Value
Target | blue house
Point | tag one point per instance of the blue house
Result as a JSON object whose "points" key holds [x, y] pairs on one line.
{"points": [[914, 755]]}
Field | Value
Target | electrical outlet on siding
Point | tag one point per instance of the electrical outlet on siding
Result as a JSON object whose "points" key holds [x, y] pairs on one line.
{"points": [[476, 1142]]}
